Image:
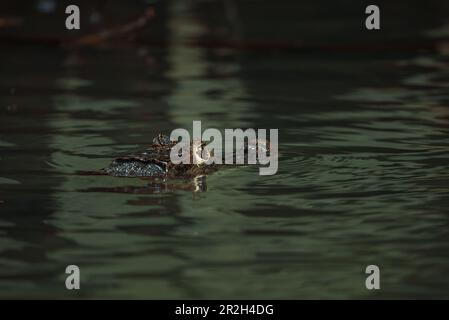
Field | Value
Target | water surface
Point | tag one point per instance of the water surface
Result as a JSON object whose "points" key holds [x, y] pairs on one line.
{"points": [[363, 173]]}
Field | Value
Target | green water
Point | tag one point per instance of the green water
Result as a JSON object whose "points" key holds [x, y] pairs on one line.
{"points": [[363, 173]]}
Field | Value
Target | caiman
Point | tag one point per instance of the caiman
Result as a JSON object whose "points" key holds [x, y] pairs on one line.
{"points": [[154, 161]]}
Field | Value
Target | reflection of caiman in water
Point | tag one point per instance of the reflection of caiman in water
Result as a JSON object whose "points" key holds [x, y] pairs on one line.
{"points": [[155, 161]]}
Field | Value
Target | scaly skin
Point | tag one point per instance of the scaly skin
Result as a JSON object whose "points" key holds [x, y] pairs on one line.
{"points": [[155, 162]]}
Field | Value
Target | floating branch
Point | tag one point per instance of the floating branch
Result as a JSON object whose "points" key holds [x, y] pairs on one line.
{"points": [[114, 32]]}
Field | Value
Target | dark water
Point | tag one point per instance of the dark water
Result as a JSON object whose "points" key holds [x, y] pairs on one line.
{"points": [[363, 174]]}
